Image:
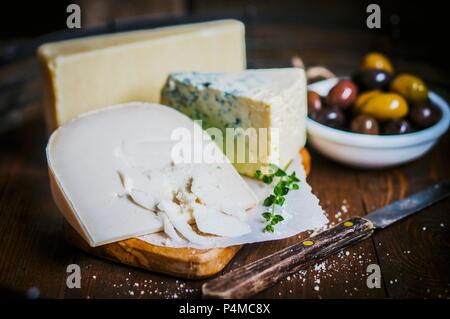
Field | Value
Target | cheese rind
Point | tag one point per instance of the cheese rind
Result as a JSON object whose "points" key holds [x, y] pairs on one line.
{"points": [[84, 74], [111, 168], [271, 99]]}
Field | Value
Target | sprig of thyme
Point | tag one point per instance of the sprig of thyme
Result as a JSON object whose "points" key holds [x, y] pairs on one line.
{"points": [[284, 184]]}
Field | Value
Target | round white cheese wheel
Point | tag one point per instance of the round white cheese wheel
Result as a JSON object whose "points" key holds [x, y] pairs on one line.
{"points": [[97, 161]]}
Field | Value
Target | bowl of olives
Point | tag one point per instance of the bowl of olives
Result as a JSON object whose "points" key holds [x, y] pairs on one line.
{"points": [[376, 118]]}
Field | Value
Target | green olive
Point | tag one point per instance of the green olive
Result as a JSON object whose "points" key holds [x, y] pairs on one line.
{"points": [[410, 87], [376, 61], [386, 106]]}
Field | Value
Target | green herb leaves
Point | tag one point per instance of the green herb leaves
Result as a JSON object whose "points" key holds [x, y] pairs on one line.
{"points": [[284, 185]]}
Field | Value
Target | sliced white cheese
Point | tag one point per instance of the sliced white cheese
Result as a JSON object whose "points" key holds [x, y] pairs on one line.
{"points": [[212, 221], [302, 212], [180, 221], [270, 104], [142, 198], [125, 149], [235, 211], [169, 230]]}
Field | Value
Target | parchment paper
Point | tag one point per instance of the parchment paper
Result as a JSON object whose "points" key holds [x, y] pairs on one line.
{"points": [[301, 211]]}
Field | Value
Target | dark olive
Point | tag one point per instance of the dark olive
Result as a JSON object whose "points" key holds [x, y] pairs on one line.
{"points": [[424, 115], [399, 126], [331, 116], [365, 124], [372, 79], [314, 102], [343, 94]]}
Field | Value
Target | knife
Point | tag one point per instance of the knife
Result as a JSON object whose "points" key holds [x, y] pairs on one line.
{"points": [[250, 279]]}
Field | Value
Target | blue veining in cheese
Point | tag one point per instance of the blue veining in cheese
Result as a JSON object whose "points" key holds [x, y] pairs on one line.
{"points": [[265, 98]]}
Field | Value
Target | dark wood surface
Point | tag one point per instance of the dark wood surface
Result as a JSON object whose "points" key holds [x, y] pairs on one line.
{"points": [[414, 254], [186, 263], [253, 278]]}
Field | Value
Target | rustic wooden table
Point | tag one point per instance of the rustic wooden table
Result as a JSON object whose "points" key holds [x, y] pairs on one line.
{"points": [[414, 254]]}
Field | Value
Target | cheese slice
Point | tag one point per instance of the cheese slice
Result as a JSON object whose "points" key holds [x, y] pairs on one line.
{"points": [[271, 101], [88, 73], [114, 174]]}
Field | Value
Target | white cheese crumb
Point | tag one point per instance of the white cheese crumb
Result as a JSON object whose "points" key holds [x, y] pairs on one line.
{"points": [[318, 267]]}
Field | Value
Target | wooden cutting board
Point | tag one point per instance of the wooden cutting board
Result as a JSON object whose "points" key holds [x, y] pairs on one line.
{"points": [[187, 263]]}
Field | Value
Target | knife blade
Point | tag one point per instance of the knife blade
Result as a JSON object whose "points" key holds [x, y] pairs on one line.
{"points": [[252, 278], [400, 209]]}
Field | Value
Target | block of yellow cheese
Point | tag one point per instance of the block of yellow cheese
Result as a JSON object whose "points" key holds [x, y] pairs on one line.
{"points": [[85, 74]]}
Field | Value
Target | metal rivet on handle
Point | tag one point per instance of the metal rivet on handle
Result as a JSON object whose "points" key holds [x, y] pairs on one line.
{"points": [[308, 243], [348, 224]]}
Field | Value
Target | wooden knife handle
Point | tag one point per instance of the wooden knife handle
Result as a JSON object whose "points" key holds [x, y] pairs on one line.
{"points": [[250, 279]]}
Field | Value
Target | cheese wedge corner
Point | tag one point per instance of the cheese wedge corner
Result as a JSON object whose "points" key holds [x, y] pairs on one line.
{"points": [[84, 74], [113, 176], [266, 107]]}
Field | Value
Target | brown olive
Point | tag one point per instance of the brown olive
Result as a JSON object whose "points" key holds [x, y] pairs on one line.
{"points": [[424, 115], [377, 61], [400, 126], [365, 124], [314, 102], [343, 94], [331, 116], [372, 79]]}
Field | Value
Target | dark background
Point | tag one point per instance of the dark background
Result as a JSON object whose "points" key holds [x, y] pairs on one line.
{"points": [[416, 30], [34, 254]]}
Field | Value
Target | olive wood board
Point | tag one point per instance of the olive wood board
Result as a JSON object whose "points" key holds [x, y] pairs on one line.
{"points": [[189, 263]]}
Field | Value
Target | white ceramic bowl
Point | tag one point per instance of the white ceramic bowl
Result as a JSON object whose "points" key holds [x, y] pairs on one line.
{"points": [[374, 151]]}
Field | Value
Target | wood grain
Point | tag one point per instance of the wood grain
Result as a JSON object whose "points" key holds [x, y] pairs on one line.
{"points": [[186, 263], [259, 275], [35, 254], [413, 253]]}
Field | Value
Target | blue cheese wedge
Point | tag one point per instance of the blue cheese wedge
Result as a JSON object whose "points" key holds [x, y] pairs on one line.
{"points": [[269, 105], [114, 176]]}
